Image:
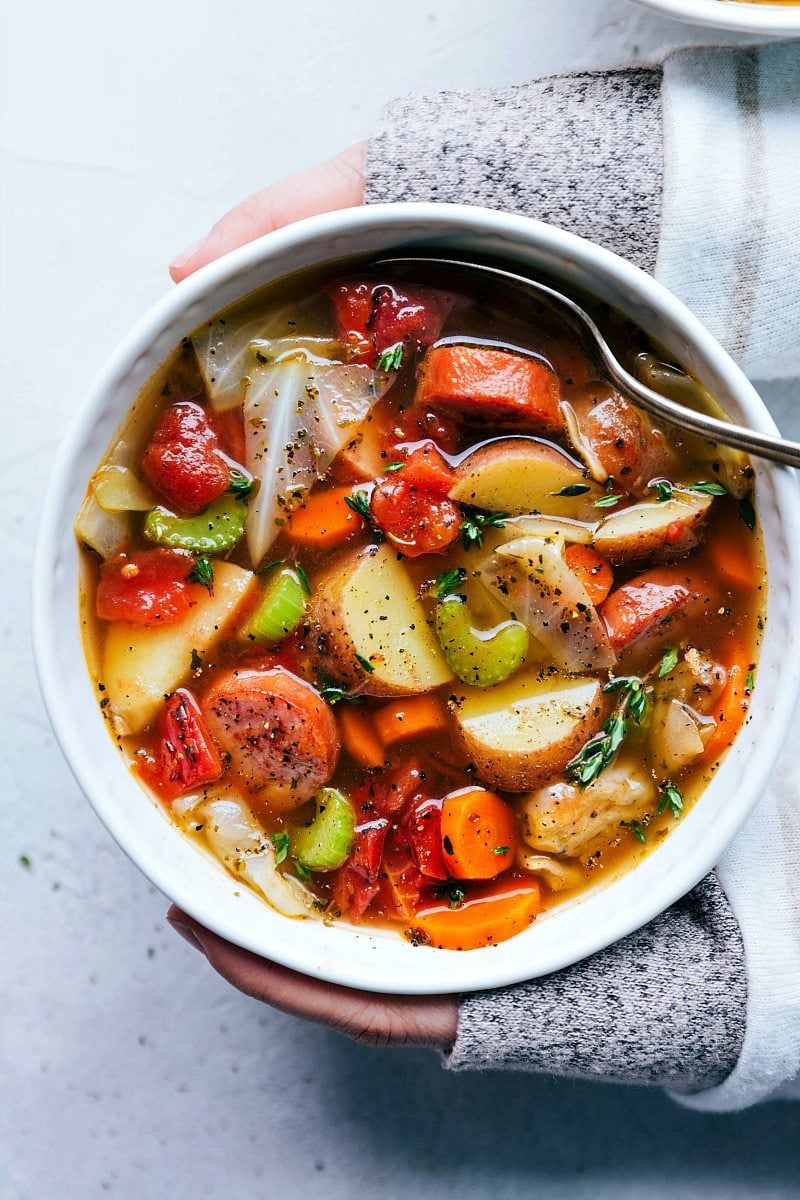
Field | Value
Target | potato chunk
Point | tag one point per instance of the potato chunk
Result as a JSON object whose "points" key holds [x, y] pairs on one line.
{"points": [[143, 664], [524, 731], [522, 475], [653, 531], [366, 610]]}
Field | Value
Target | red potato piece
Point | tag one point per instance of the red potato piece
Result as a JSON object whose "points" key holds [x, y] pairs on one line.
{"points": [[279, 732], [183, 462], [651, 599], [617, 437], [490, 385], [652, 530]]}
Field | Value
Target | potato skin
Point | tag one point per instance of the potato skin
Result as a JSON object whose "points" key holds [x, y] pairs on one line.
{"points": [[519, 475], [517, 770], [632, 536], [395, 636]]}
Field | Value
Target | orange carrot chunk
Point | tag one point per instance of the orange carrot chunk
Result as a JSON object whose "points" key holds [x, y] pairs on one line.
{"points": [[592, 569], [360, 737], [732, 706], [490, 914], [324, 520], [732, 561], [411, 717], [490, 385], [479, 834]]}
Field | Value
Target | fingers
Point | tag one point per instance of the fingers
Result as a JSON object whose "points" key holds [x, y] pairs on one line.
{"points": [[371, 1018], [337, 183]]}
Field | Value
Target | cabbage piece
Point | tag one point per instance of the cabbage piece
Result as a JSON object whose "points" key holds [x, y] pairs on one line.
{"points": [[238, 840], [297, 416], [562, 818], [225, 357], [531, 579], [312, 349], [119, 489], [106, 532]]}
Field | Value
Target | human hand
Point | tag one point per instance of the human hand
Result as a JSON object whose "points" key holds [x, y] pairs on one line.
{"points": [[367, 1017], [371, 1018], [336, 183]]}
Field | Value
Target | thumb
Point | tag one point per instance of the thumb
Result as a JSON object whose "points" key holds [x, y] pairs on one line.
{"points": [[336, 183]]}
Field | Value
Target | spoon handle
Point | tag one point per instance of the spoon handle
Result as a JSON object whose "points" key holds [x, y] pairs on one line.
{"points": [[762, 445]]}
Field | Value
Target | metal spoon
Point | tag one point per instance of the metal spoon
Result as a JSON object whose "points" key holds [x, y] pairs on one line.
{"points": [[763, 445]]}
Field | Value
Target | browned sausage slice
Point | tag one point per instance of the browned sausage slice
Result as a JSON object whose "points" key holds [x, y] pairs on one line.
{"points": [[279, 732]]}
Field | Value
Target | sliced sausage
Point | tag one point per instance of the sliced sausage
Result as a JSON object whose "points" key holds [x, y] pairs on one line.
{"points": [[279, 732]]}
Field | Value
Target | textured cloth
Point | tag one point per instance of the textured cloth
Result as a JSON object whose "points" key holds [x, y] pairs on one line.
{"points": [[662, 1006], [730, 232], [579, 151], [696, 176]]}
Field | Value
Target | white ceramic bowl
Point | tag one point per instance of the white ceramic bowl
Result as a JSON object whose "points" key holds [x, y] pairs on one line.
{"points": [[774, 20], [369, 959]]}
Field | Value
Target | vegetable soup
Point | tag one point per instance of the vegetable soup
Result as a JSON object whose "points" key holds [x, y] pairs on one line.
{"points": [[405, 615]]}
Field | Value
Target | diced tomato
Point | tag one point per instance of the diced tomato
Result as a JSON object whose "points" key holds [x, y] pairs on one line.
{"points": [[185, 755], [419, 422], [229, 428], [648, 600], [427, 468], [375, 316], [385, 792], [148, 587], [423, 828], [416, 520], [357, 883], [405, 886], [486, 384], [183, 460]]}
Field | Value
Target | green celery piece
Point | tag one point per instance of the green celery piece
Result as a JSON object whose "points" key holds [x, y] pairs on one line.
{"points": [[218, 528], [325, 844], [480, 657], [281, 609]]}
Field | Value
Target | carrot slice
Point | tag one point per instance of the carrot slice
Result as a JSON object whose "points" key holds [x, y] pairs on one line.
{"points": [[411, 717], [360, 737], [592, 569], [324, 520], [495, 385], [479, 834], [732, 561], [732, 706], [490, 915]]}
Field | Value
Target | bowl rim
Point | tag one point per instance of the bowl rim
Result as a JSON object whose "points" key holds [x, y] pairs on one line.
{"points": [[442, 971], [767, 19]]}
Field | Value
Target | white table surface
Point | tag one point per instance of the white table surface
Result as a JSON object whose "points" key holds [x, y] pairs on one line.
{"points": [[127, 1068]]}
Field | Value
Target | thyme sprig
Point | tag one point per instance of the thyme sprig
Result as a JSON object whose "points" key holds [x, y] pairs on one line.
{"points": [[600, 751]]}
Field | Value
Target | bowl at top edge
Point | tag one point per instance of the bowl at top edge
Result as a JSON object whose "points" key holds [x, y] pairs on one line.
{"points": [[770, 20], [366, 958]]}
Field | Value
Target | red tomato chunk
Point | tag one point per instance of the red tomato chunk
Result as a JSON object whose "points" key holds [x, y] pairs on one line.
{"points": [[416, 520], [374, 317], [185, 754], [183, 461], [147, 588]]}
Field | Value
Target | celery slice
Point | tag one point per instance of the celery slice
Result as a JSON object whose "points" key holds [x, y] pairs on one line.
{"points": [[480, 657], [219, 527], [325, 844], [281, 609]]}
